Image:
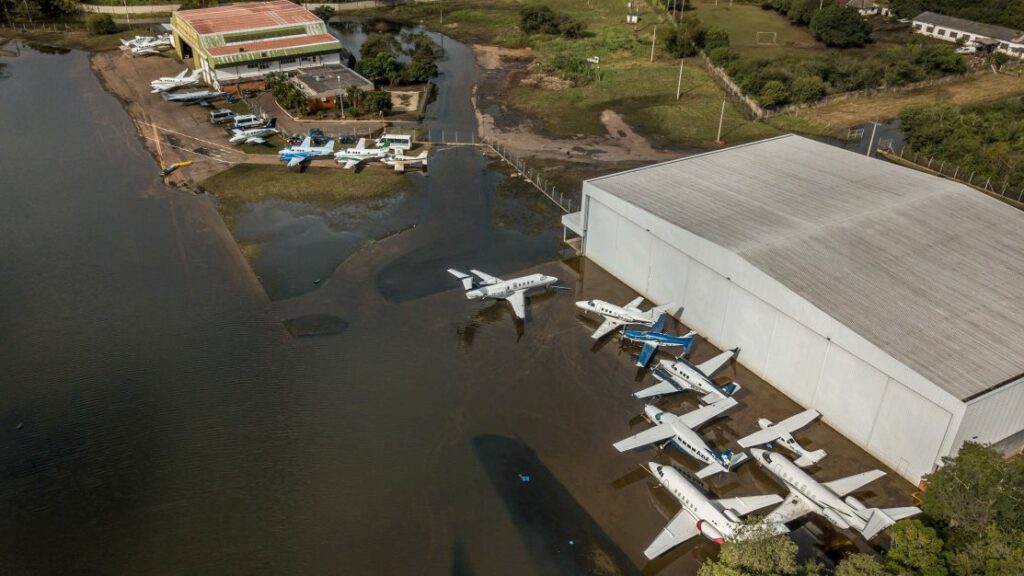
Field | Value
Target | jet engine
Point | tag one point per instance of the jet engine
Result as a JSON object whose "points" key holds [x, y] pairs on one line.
{"points": [[710, 532]]}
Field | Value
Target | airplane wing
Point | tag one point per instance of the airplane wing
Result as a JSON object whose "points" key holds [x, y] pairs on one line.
{"points": [[748, 504], [710, 367], [646, 354], [361, 144], [659, 324], [634, 303], [487, 278], [306, 142], [295, 161], [701, 415], [255, 140], [182, 74], [664, 386], [649, 436], [794, 507], [518, 301], [607, 326], [680, 529], [773, 432], [844, 486], [351, 163]]}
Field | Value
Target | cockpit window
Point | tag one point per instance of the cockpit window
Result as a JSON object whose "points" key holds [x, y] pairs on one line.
{"points": [[767, 458]]}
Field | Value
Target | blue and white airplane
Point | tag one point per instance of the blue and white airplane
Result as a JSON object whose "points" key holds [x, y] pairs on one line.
{"points": [[653, 338], [680, 375], [680, 431], [296, 155]]}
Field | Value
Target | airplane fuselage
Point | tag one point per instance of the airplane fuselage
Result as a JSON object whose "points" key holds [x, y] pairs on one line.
{"points": [[689, 375], [608, 310], [802, 485], [685, 440], [506, 288], [711, 522], [659, 338]]}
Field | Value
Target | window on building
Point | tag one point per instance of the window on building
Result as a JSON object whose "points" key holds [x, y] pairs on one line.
{"points": [[917, 26], [953, 35], [929, 29], [287, 61]]}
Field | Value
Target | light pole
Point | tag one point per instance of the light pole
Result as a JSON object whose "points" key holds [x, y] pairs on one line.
{"points": [[126, 16], [341, 100], [679, 85], [654, 38]]}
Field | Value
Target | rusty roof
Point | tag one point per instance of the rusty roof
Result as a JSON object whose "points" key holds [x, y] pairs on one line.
{"points": [[273, 44], [250, 16]]}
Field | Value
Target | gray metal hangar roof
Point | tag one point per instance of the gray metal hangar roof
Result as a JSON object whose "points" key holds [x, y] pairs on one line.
{"points": [[928, 270]]}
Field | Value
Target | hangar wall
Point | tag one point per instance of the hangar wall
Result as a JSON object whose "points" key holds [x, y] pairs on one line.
{"points": [[894, 415], [995, 415]]}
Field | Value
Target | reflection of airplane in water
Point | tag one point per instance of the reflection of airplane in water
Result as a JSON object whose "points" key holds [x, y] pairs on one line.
{"points": [[681, 431], [782, 434], [302, 153], [515, 291], [716, 520], [807, 495]]}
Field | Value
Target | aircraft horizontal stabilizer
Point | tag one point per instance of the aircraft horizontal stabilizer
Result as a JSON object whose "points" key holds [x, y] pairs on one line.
{"points": [[775, 431], [747, 504], [738, 459], [710, 470], [881, 518], [810, 459], [466, 279], [712, 366], [649, 436]]}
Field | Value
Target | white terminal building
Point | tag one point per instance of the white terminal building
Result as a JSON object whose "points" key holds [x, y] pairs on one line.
{"points": [[889, 300]]}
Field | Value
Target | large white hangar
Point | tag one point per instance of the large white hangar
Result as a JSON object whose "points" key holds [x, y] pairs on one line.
{"points": [[890, 300]]}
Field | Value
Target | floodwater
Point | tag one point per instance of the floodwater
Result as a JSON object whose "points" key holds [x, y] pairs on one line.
{"points": [[162, 415]]}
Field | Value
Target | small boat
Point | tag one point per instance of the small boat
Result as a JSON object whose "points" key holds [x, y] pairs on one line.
{"points": [[166, 171]]}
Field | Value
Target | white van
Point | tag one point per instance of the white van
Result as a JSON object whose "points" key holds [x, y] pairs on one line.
{"points": [[400, 142], [246, 121], [221, 115]]}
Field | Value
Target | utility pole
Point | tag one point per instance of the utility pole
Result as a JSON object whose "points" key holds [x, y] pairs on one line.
{"points": [[874, 126], [341, 99], [721, 119], [654, 39], [679, 85], [127, 17]]}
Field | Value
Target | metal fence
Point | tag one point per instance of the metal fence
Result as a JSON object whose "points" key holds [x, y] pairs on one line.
{"points": [[1001, 187]]}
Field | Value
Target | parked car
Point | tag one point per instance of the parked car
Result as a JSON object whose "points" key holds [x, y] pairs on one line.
{"points": [[221, 116], [967, 50]]}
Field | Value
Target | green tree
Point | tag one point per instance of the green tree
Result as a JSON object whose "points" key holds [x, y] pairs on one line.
{"points": [[375, 102], [381, 67], [757, 550], [807, 89], [715, 38], [998, 553], [379, 43], [916, 550], [860, 565], [324, 12], [686, 39], [978, 487], [544, 20], [840, 27], [801, 11], [773, 93], [997, 59], [100, 24]]}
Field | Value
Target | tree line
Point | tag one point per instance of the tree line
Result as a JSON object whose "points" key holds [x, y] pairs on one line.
{"points": [[1002, 12], [380, 58]]}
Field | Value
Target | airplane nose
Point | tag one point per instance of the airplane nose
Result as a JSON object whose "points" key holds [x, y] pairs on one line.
{"points": [[583, 304], [757, 453], [651, 412]]}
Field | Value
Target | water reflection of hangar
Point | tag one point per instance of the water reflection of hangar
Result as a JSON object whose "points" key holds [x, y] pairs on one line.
{"points": [[885, 298]]}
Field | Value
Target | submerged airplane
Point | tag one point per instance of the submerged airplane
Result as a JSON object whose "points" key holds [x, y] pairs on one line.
{"points": [[167, 83], [679, 430], [297, 155], [352, 157], [783, 433], [254, 135], [680, 375], [194, 97], [653, 338], [487, 287], [618, 316], [716, 520], [400, 161], [807, 495]]}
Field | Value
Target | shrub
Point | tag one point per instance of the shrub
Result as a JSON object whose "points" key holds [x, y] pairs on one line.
{"points": [[374, 102], [773, 93], [802, 11], [686, 39], [324, 12], [100, 24], [544, 20], [715, 38], [570, 67], [840, 27], [807, 89], [722, 57]]}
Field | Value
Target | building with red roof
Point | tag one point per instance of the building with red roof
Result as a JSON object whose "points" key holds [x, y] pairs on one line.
{"points": [[239, 44]]}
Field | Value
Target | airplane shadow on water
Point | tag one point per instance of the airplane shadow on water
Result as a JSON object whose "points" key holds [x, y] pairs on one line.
{"points": [[495, 311], [560, 536]]}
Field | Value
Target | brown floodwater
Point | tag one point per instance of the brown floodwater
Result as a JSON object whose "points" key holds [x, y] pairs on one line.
{"points": [[162, 415]]}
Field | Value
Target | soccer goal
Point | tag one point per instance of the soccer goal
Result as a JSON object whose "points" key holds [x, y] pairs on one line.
{"points": [[766, 38]]}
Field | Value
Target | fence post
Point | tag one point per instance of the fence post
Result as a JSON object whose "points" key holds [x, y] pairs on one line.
{"points": [[987, 180], [901, 151], [1021, 195], [1005, 184], [941, 166], [955, 172], [930, 163]]}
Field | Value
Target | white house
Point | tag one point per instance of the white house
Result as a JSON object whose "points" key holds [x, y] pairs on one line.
{"points": [[950, 29]]}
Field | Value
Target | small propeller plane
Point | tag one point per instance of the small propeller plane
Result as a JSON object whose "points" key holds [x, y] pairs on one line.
{"points": [[654, 338], [352, 157], [168, 83], [400, 161], [680, 375], [298, 155], [680, 431], [782, 432], [807, 495], [617, 316], [254, 135], [487, 287], [716, 520]]}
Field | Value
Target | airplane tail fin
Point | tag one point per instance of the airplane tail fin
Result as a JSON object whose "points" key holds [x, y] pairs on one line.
{"points": [[272, 123], [810, 458], [466, 279], [879, 519], [731, 460]]}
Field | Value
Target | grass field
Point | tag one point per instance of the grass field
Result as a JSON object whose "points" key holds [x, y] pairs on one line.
{"points": [[247, 183], [744, 21]]}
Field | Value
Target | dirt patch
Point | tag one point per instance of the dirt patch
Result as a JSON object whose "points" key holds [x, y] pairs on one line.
{"points": [[545, 82], [490, 57]]}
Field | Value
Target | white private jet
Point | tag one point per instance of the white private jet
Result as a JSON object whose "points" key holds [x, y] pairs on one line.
{"points": [[515, 290], [807, 495], [716, 520], [254, 135], [297, 155], [617, 316], [400, 161], [147, 45], [352, 157], [680, 375], [167, 83], [783, 433], [679, 430]]}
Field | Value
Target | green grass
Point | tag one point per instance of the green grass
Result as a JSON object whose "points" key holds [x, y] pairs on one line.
{"points": [[744, 21], [247, 183]]}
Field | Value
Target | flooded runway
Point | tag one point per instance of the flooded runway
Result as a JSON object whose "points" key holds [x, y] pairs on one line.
{"points": [[162, 415]]}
